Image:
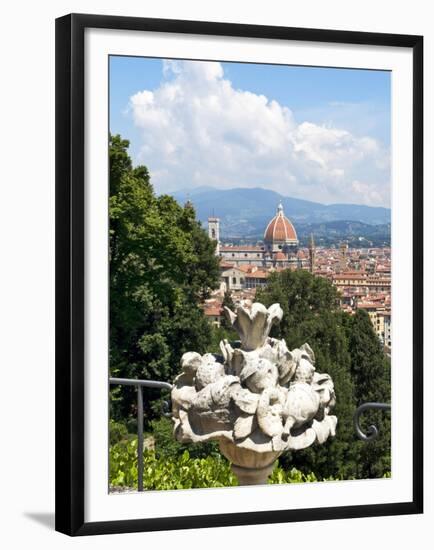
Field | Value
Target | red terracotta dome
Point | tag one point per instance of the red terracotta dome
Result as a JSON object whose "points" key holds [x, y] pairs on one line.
{"points": [[280, 229]]}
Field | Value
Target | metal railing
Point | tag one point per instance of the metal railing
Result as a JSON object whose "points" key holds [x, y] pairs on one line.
{"points": [[370, 435], [372, 432], [140, 384]]}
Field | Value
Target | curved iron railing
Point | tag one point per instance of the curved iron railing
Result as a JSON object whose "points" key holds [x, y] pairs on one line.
{"points": [[372, 431], [140, 384]]}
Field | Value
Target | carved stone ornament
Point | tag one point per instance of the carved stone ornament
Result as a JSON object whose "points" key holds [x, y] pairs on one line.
{"points": [[258, 399]]}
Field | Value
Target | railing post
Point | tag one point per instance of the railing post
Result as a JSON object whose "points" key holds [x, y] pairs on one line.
{"points": [[140, 384], [139, 438]]}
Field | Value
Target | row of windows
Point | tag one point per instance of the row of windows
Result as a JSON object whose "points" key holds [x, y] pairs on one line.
{"points": [[254, 284], [245, 255], [251, 283]]}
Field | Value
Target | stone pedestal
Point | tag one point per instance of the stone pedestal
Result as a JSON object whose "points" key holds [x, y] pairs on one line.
{"points": [[253, 476], [250, 467]]}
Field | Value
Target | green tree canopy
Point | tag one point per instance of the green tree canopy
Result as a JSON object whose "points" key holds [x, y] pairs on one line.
{"points": [[370, 371], [162, 264], [343, 346]]}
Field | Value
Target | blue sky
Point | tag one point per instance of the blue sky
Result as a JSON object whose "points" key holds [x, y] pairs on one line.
{"points": [[301, 131]]}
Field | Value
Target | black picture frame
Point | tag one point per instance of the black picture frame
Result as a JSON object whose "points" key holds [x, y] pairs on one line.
{"points": [[70, 285]]}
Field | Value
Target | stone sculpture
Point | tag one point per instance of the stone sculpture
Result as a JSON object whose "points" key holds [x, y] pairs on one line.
{"points": [[257, 398]]}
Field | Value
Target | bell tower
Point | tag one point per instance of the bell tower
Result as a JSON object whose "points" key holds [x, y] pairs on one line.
{"points": [[344, 255], [214, 232], [311, 254]]}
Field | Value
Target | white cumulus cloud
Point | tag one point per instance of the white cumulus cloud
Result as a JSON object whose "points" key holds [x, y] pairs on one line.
{"points": [[197, 129]]}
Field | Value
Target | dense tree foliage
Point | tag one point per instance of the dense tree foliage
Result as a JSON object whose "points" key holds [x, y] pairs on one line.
{"points": [[227, 302], [347, 348], [162, 264], [370, 370]]}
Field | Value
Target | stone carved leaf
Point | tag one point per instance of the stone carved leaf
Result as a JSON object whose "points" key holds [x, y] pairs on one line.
{"points": [[325, 428], [278, 443], [269, 350], [220, 393], [277, 352], [309, 352], [257, 441], [238, 362], [244, 425], [275, 314], [286, 368], [249, 365], [270, 412], [302, 441], [245, 400], [227, 350], [230, 315], [253, 325], [182, 398], [193, 427]]}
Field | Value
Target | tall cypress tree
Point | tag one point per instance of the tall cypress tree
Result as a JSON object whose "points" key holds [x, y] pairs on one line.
{"points": [[342, 345], [337, 456], [370, 370]]}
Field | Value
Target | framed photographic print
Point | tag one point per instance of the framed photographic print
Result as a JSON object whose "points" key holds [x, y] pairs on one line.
{"points": [[238, 274]]}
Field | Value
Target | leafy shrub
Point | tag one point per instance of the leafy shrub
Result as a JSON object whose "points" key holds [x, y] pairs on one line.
{"points": [[117, 432], [293, 475], [167, 472], [166, 446], [183, 471], [123, 463]]}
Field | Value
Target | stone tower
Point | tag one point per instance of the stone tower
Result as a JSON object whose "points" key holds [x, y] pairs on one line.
{"points": [[214, 232], [344, 252], [311, 254]]}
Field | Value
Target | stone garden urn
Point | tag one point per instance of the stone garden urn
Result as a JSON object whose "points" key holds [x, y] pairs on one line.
{"points": [[257, 399]]}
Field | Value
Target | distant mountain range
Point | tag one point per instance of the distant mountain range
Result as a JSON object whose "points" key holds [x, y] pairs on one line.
{"points": [[244, 213], [356, 234]]}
